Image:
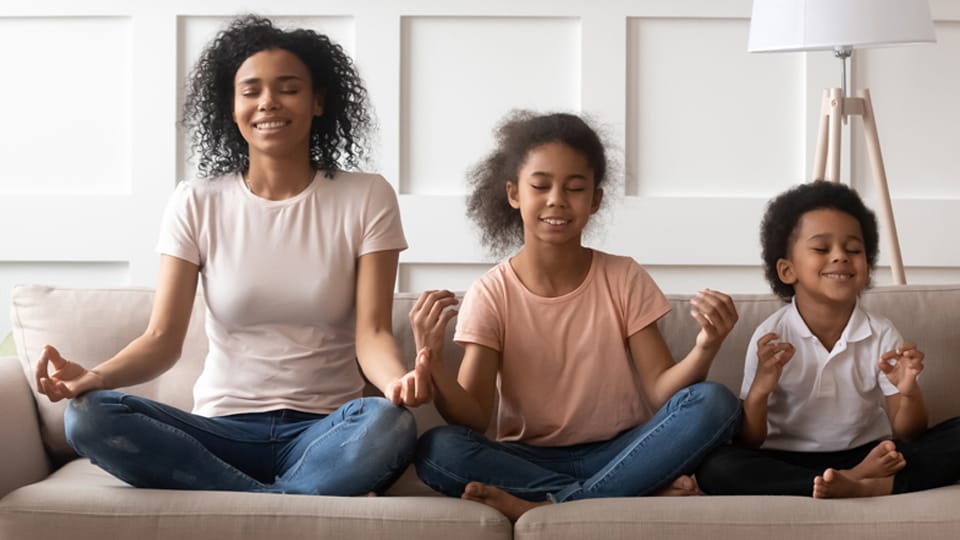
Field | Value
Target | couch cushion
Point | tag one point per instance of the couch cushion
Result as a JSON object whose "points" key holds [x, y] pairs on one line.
{"points": [[930, 515], [89, 326], [82, 502]]}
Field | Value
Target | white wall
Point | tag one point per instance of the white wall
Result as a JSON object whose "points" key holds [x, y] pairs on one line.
{"points": [[706, 132]]}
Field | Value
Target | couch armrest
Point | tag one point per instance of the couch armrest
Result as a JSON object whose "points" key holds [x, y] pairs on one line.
{"points": [[22, 457]]}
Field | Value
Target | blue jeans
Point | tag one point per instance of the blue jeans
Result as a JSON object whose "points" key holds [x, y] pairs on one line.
{"points": [[638, 461], [361, 447]]}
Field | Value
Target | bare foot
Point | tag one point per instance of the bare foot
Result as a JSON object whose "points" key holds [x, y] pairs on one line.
{"points": [[882, 461], [507, 504], [372, 494], [683, 486], [834, 484]]}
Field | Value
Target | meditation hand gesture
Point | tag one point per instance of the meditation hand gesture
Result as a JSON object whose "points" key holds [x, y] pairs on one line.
{"points": [[902, 366], [772, 355], [68, 379], [716, 314], [429, 318]]}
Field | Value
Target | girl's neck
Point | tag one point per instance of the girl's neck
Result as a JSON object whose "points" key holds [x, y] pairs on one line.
{"points": [[551, 271], [277, 180], [826, 322]]}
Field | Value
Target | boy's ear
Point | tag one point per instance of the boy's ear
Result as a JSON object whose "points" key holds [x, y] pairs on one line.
{"points": [[785, 271], [512, 197], [597, 197]]}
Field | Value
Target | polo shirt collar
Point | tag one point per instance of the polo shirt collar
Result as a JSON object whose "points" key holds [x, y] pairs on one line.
{"points": [[857, 329]]}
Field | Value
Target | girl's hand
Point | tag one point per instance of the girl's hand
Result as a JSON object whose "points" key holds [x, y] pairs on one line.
{"points": [[416, 387], [716, 314], [429, 318], [772, 355], [907, 365], [68, 379]]}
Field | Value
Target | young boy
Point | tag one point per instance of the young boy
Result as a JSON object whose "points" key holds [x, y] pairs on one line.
{"points": [[827, 384]]}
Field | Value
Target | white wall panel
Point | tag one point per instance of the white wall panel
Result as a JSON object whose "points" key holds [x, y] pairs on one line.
{"points": [[66, 105], [461, 75], [705, 131], [707, 118], [917, 122]]}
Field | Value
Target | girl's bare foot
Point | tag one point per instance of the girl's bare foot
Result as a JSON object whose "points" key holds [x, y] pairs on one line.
{"points": [[882, 461], [834, 484], [683, 486], [507, 504]]}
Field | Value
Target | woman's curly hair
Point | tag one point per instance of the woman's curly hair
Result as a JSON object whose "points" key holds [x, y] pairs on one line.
{"points": [[338, 138], [778, 229], [520, 132]]}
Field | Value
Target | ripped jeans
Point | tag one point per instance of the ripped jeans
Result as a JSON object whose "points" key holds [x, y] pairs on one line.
{"points": [[361, 447]]}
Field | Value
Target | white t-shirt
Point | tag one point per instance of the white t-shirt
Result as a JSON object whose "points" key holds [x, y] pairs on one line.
{"points": [[826, 400], [279, 280]]}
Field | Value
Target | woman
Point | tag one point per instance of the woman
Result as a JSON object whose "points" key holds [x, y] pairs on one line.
{"points": [[297, 259]]}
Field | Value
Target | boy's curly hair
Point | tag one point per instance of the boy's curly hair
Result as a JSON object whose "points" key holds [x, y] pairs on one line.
{"points": [[338, 138], [779, 224], [521, 131]]}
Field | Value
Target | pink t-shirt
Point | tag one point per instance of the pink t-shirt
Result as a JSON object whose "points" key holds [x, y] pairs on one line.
{"points": [[279, 280], [566, 374]]}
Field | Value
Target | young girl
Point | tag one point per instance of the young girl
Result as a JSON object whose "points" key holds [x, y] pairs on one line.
{"points": [[297, 259], [826, 384], [568, 336]]}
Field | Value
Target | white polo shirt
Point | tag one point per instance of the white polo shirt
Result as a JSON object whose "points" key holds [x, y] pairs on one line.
{"points": [[826, 400]]}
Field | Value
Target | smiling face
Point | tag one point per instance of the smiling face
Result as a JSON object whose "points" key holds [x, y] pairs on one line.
{"points": [[274, 104], [556, 193], [827, 262]]}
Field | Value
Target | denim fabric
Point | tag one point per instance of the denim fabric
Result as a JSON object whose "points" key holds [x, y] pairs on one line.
{"points": [[361, 447], [639, 461]]}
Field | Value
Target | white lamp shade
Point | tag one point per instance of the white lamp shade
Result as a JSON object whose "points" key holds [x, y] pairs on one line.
{"points": [[803, 25]]}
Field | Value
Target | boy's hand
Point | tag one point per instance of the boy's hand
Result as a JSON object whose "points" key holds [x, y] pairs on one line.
{"points": [[772, 355], [907, 364], [716, 314]]}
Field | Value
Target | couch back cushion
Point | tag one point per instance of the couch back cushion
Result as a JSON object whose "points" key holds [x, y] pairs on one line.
{"points": [[91, 325]]}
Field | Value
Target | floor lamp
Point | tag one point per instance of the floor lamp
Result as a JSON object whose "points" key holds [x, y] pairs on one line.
{"points": [[841, 26]]}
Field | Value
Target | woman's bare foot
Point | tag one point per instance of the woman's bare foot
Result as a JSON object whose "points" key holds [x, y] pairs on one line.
{"points": [[507, 504], [834, 484], [683, 486], [882, 461]]}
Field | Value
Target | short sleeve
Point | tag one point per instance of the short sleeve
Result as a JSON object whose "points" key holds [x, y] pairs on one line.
{"points": [[178, 228], [645, 302], [382, 228], [479, 321]]}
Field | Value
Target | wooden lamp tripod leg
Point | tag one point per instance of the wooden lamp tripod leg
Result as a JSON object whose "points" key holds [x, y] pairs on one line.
{"points": [[826, 162]]}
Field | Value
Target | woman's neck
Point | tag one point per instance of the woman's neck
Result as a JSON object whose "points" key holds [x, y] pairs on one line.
{"points": [[277, 180], [552, 271]]}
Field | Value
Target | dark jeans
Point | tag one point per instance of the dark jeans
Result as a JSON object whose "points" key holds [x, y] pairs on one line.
{"points": [[933, 461], [639, 461], [361, 447]]}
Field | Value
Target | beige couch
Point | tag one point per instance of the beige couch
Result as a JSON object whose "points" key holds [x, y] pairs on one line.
{"points": [[46, 493]]}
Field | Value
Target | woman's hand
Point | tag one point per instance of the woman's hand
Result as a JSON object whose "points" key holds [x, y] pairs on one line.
{"points": [[416, 387], [429, 318], [907, 365], [716, 314], [68, 379]]}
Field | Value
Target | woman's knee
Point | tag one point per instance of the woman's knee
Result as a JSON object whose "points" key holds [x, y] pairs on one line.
{"points": [[86, 416], [395, 426]]}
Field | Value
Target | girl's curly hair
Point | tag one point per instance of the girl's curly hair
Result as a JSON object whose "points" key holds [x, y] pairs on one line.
{"points": [[778, 229], [520, 132], [338, 138]]}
